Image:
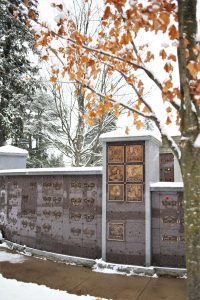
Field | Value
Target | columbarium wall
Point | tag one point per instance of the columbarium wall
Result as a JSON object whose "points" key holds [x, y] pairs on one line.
{"points": [[58, 213]]}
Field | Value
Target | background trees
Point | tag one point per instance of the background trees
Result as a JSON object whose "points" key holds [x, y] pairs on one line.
{"points": [[77, 139], [17, 83], [120, 46]]}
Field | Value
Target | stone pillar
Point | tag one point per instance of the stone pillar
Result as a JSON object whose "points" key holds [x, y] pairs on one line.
{"points": [[12, 158], [130, 164]]}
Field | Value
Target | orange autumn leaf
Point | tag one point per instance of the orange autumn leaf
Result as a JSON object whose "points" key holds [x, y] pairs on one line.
{"points": [[193, 68], [168, 67], [168, 109], [168, 121], [127, 130], [146, 109], [92, 114], [167, 85], [84, 59], [125, 39], [172, 57], [106, 13], [165, 17], [173, 32], [149, 56], [60, 6], [32, 14], [53, 79], [116, 109], [163, 54], [76, 92], [45, 57], [139, 124]]}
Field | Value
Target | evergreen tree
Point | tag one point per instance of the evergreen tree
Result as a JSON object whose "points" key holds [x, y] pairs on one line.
{"points": [[40, 130], [16, 71]]}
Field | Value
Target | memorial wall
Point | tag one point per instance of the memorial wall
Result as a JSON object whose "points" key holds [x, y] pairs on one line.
{"points": [[168, 247], [54, 213], [120, 212], [125, 203]]}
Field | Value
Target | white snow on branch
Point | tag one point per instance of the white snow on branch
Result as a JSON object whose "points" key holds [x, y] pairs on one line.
{"points": [[197, 141]]}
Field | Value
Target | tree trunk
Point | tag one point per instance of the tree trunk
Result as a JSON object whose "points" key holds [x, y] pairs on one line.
{"points": [[190, 166], [190, 156]]}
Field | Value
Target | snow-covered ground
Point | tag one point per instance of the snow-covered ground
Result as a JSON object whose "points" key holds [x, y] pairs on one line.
{"points": [[11, 257], [11, 289]]}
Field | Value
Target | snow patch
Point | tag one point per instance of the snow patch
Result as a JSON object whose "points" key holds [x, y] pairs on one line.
{"points": [[12, 149], [167, 184], [11, 258], [4, 245], [197, 142], [17, 290], [120, 133]]}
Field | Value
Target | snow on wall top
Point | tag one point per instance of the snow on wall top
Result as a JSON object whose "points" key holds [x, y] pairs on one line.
{"points": [[8, 149], [53, 171], [166, 186], [134, 134]]}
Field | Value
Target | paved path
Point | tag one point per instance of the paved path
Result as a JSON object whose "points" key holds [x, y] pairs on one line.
{"points": [[83, 281]]}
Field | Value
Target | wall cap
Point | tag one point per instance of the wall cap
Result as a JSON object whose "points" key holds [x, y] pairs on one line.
{"points": [[53, 171], [134, 135], [166, 186], [12, 151]]}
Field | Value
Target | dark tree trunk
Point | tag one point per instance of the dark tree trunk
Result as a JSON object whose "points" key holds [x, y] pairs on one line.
{"points": [[190, 156]]}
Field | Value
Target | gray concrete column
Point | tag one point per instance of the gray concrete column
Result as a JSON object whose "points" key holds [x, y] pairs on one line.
{"points": [[104, 229]]}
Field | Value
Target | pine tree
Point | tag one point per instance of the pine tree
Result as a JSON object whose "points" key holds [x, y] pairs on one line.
{"points": [[16, 71]]}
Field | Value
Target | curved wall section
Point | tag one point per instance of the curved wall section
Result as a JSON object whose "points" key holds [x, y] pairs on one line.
{"points": [[59, 213]]}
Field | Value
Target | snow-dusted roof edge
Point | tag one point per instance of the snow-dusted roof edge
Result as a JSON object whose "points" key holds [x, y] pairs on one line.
{"points": [[12, 150], [120, 135], [53, 171], [166, 186]]}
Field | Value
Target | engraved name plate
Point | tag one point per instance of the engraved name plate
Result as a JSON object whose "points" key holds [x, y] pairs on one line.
{"points": [[171, 238], [134, 192], [116, 231], [134, 173], [134, 153], [169, 220], [115, 192]]}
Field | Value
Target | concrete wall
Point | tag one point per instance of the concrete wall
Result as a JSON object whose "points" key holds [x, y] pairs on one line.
{"points": [[59, 213], [12, 157], [167, 227], [12, 161]]}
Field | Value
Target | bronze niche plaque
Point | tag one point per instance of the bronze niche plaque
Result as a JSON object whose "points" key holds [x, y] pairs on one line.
{"points": [[116, 231], [134, 192], [171, 238], [134, 153], [115, 154], [116, 173], [115, 192], [169, 220], [134, 173]]}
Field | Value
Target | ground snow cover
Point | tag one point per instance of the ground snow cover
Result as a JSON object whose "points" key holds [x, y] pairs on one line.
{"points": [[11, 289], [11, 257]]}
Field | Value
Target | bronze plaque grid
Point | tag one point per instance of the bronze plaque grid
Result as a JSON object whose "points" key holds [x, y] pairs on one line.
{"points": [[125, 171]]}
